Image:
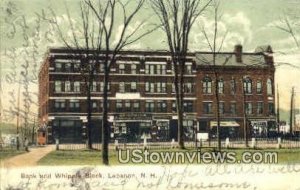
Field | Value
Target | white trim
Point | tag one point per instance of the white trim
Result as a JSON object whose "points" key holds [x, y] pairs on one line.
{"points": [[114, 98]]}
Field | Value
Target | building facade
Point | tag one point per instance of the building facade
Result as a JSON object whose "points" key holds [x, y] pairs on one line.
{"points": [[141, 97]]}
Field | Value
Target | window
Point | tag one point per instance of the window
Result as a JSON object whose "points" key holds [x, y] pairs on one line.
{"points": [[94, 105], [161, 87], [220, 86], [161, 106], [58, 66], [60, 104], [271, 108], [147, 68], [233, 108], [77, 67], [247, 86], [127, 106], [67, 86], [207, 85], [188, 87], [260, 108], [133, 86], [173, 88], [121, 68], [188, 106], [152, 69], [94, 87], [74, 104], [163, 69], [136, 106], [133, 69], [57, 86], [119, 106], [68, 67], [149, 106], [221, 107], [76, 86], [248, 108], [121, 87], [258, 87], [207, 107], [189, 69], [232, 86], [174, 108], [101, 67], [269, 87], [158, 69], [152, 87]]}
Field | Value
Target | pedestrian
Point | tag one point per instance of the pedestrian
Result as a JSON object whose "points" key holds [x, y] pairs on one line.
{"points": [[26, 144]]}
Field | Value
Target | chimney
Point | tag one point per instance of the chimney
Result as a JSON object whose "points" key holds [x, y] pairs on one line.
{"points": [[238, 51]]}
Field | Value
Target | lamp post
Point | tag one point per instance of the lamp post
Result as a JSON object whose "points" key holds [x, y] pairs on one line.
{"points": [[244, 87], [18, 115]]}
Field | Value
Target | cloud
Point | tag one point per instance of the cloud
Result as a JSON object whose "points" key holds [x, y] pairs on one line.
{"points": [[236, 26]]}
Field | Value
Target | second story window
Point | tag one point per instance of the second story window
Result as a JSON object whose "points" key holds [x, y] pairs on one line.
{"points": [[221, 107], [260, 108], [271, 108], [121, 68], [247, 86], [77, 67], [101, 67], [60, 104], [127, 106], [233, 108], [174, 108], [161, 106], [188, 87], [121, 87], [119, 106], [133, 86], [67, 86], [57, 86], [248, 108], [207, 108], [188, 106], [258, 87], [207, 85], [74, 105], [136, 107], [76, 86], [149, 106]]}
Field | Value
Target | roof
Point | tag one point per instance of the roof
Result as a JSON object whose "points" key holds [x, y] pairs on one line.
{"points": [[229, 59]]}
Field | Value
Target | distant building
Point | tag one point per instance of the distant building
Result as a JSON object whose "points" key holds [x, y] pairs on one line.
{"points": [[142, 98]]}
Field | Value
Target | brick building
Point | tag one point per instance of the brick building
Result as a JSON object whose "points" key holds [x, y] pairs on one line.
{"points": [[142, 100]]}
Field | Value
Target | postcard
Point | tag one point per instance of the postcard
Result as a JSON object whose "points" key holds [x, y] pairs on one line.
{"points": [[149, 94]]}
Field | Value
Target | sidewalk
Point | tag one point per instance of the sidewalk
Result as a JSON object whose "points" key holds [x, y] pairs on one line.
{"points": [[28, 159]]}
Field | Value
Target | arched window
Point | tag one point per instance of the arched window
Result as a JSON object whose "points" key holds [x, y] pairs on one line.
{"points": [[247, 85], [269, 87], [258, 87], [207, 85]]}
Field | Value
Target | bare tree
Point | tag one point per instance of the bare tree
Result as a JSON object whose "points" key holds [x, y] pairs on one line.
{"points": [[215, 50], [101, 46], [290, 24], [177, 18]]}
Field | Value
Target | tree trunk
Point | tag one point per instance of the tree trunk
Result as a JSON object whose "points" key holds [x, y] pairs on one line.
{"points": [[89, 117], [105, 124]]}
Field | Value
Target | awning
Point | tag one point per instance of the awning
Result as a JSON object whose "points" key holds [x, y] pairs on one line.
{"points": [[225, 124]]}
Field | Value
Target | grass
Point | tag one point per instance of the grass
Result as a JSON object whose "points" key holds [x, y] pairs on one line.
{"points": [[93, 157], [7, 153]]}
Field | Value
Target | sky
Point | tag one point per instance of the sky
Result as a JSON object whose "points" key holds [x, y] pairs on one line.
{"points": [[251, 23]]}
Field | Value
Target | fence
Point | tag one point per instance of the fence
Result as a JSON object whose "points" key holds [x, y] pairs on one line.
{"points": [[258, 143]]}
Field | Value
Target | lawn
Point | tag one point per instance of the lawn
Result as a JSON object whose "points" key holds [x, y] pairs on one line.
{"points": [[7, 153], [93, 157]]}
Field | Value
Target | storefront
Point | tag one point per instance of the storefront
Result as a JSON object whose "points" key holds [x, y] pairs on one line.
{"points": [[227, 129]]}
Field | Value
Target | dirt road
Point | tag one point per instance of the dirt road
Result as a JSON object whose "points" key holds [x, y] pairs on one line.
{"points": [[28, 159]]}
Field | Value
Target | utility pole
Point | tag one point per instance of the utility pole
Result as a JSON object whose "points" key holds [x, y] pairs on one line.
{"points": [[292, 111], [278, 112], [245, 114]]}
